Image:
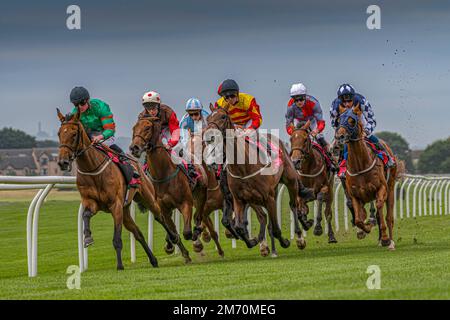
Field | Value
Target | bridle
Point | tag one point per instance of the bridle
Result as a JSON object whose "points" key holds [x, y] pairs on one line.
{"points": [[304, 152], [76, 152], [352, 133], [151, 144]]}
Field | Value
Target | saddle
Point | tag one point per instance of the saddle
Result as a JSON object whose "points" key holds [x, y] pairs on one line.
{"points": [[323, 153], [272, 151], [380, 153], [122, 162]]}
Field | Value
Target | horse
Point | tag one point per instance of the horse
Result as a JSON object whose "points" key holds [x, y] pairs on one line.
{"points": [[313, 172], [215, 199], [255, 184], [172, 186], [102, 185], [366, 176]]}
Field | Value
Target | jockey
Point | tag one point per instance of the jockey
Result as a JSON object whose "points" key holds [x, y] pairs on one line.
{"points": [[347, 98], [303, 107], [242, 107], [193, 121], [170, 130], [97, 119]]}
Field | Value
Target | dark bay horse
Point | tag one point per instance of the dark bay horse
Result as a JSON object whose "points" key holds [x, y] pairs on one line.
{"points": [[313, 172], [250, 184], [215, 198], [172, 186], [366, 177], [102, 185]]}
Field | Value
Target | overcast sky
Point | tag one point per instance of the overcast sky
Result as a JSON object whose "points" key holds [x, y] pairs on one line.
{"points": [[186, 48]]}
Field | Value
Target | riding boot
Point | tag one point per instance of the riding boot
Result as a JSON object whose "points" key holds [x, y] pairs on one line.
{"points": [[342, 169], [134, 181], [391, 162], [326, 147]]}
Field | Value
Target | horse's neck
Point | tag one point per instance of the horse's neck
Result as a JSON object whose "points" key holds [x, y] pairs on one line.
{"points": [[91, 158], [358, 155], [159, 162], [313, 160], [242, 168]]}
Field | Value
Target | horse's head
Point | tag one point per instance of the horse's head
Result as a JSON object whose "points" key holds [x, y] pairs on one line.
{"points": [[300, 144], [146, 133], [350, 127], [219, 119], [70, 139]]}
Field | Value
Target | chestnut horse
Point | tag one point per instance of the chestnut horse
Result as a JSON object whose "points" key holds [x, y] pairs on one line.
{"points": [[366, 177], [251, 184], [215, 199], [102, 185], [172, 186], [313, 172]]}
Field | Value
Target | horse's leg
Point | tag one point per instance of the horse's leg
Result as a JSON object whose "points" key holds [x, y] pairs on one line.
{"points": [[262, 218], [131, 226], [381, 200], [88, 240], [186, 212], [390, 216], [239, 223], [174, 237], [328, 196], [318, 228], [272, 241], [372, 218], [227, 216], [348, 201], [276, 231], [200, 201], [206, 236], [209, 224], [359, 218], [117, 213]]}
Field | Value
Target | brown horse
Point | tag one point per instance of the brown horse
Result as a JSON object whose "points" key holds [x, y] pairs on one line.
{"points": [[313, 172], [366, 177], [250, 184], [172, 186], [215, 199], [102, 185]]}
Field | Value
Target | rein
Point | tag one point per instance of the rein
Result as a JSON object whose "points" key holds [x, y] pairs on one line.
{"points": [[311, 175], [363, 171]]}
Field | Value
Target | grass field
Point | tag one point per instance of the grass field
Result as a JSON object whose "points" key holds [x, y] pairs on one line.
{"points": [[418, 269]]}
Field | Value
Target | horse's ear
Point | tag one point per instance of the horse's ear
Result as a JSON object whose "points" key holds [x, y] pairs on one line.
{"points": [[306, 125], [211, 107], [61, 117], [357, 109], [76, 116], [342, 109]]}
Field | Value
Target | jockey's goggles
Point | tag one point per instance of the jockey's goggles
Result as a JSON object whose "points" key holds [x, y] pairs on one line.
{"points": [[230, 95], [196, 114], [80, 103], [347, 97], [301, 97]]}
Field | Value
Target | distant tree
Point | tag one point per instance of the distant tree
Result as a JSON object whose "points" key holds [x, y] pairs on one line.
{"points": [[15, 139], [46, 144], [436, 157], [399, 146]]}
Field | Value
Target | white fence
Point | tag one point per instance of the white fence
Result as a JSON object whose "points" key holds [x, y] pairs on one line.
{"points": [[430, 196]]}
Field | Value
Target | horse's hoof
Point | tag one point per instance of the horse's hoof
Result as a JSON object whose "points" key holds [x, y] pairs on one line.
{"points": [[188, 235], [88, 241], [391, 246], [154, 263], [206, 236], [318, 230], [264, 250], [285, 243], [360, 234], [228, 234], [169, 250], [301, 243], [251, 243], [120, 268], [222, 254], [198, 246], [332, 239], [274, 255], [187, 260], [386, 242]]}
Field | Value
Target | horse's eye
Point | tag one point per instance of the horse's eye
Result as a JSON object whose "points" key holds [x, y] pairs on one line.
{"points": [[224, 117], [351, 122]]}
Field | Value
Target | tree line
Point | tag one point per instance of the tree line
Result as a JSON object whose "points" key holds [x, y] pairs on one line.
{"points": [[434, 159]]}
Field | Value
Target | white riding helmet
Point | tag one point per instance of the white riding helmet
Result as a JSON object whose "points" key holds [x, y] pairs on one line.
{"points": [[151, 96], [298, 89]]}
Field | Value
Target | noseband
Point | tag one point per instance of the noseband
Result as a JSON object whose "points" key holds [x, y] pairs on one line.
{"points": [[76, 152]]}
